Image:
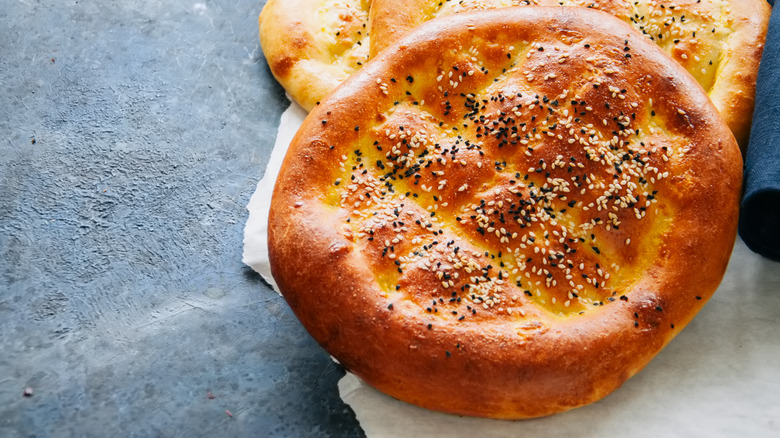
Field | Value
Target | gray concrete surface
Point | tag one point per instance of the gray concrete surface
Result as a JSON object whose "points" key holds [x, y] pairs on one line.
{"points": [[132, 134]]}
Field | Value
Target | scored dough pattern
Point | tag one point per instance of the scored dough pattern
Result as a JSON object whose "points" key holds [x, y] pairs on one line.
{"points": [[471, 197]]}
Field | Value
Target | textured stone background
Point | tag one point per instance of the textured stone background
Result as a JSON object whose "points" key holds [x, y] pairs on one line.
{"points": [[132, 136]]}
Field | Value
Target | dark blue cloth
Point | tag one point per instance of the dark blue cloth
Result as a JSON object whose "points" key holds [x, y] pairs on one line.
{"points": [[759, 223]]}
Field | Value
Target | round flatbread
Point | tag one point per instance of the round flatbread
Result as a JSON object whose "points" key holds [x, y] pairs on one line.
{"points": [[719, 42], [507, 213], [313, 45]]}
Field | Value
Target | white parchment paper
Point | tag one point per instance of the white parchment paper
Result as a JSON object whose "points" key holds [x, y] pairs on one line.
{"points": [[719, 377], [255, 238]]}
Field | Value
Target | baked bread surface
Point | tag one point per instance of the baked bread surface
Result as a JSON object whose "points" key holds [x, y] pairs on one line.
{"points": [[313, 45], [508, 213], [719, 42]]}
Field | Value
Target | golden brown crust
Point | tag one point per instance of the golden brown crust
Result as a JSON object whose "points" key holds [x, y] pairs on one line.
{"points": [[396, 18], [719, 42], [506, 214], [313, 45], [733, 91]]}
